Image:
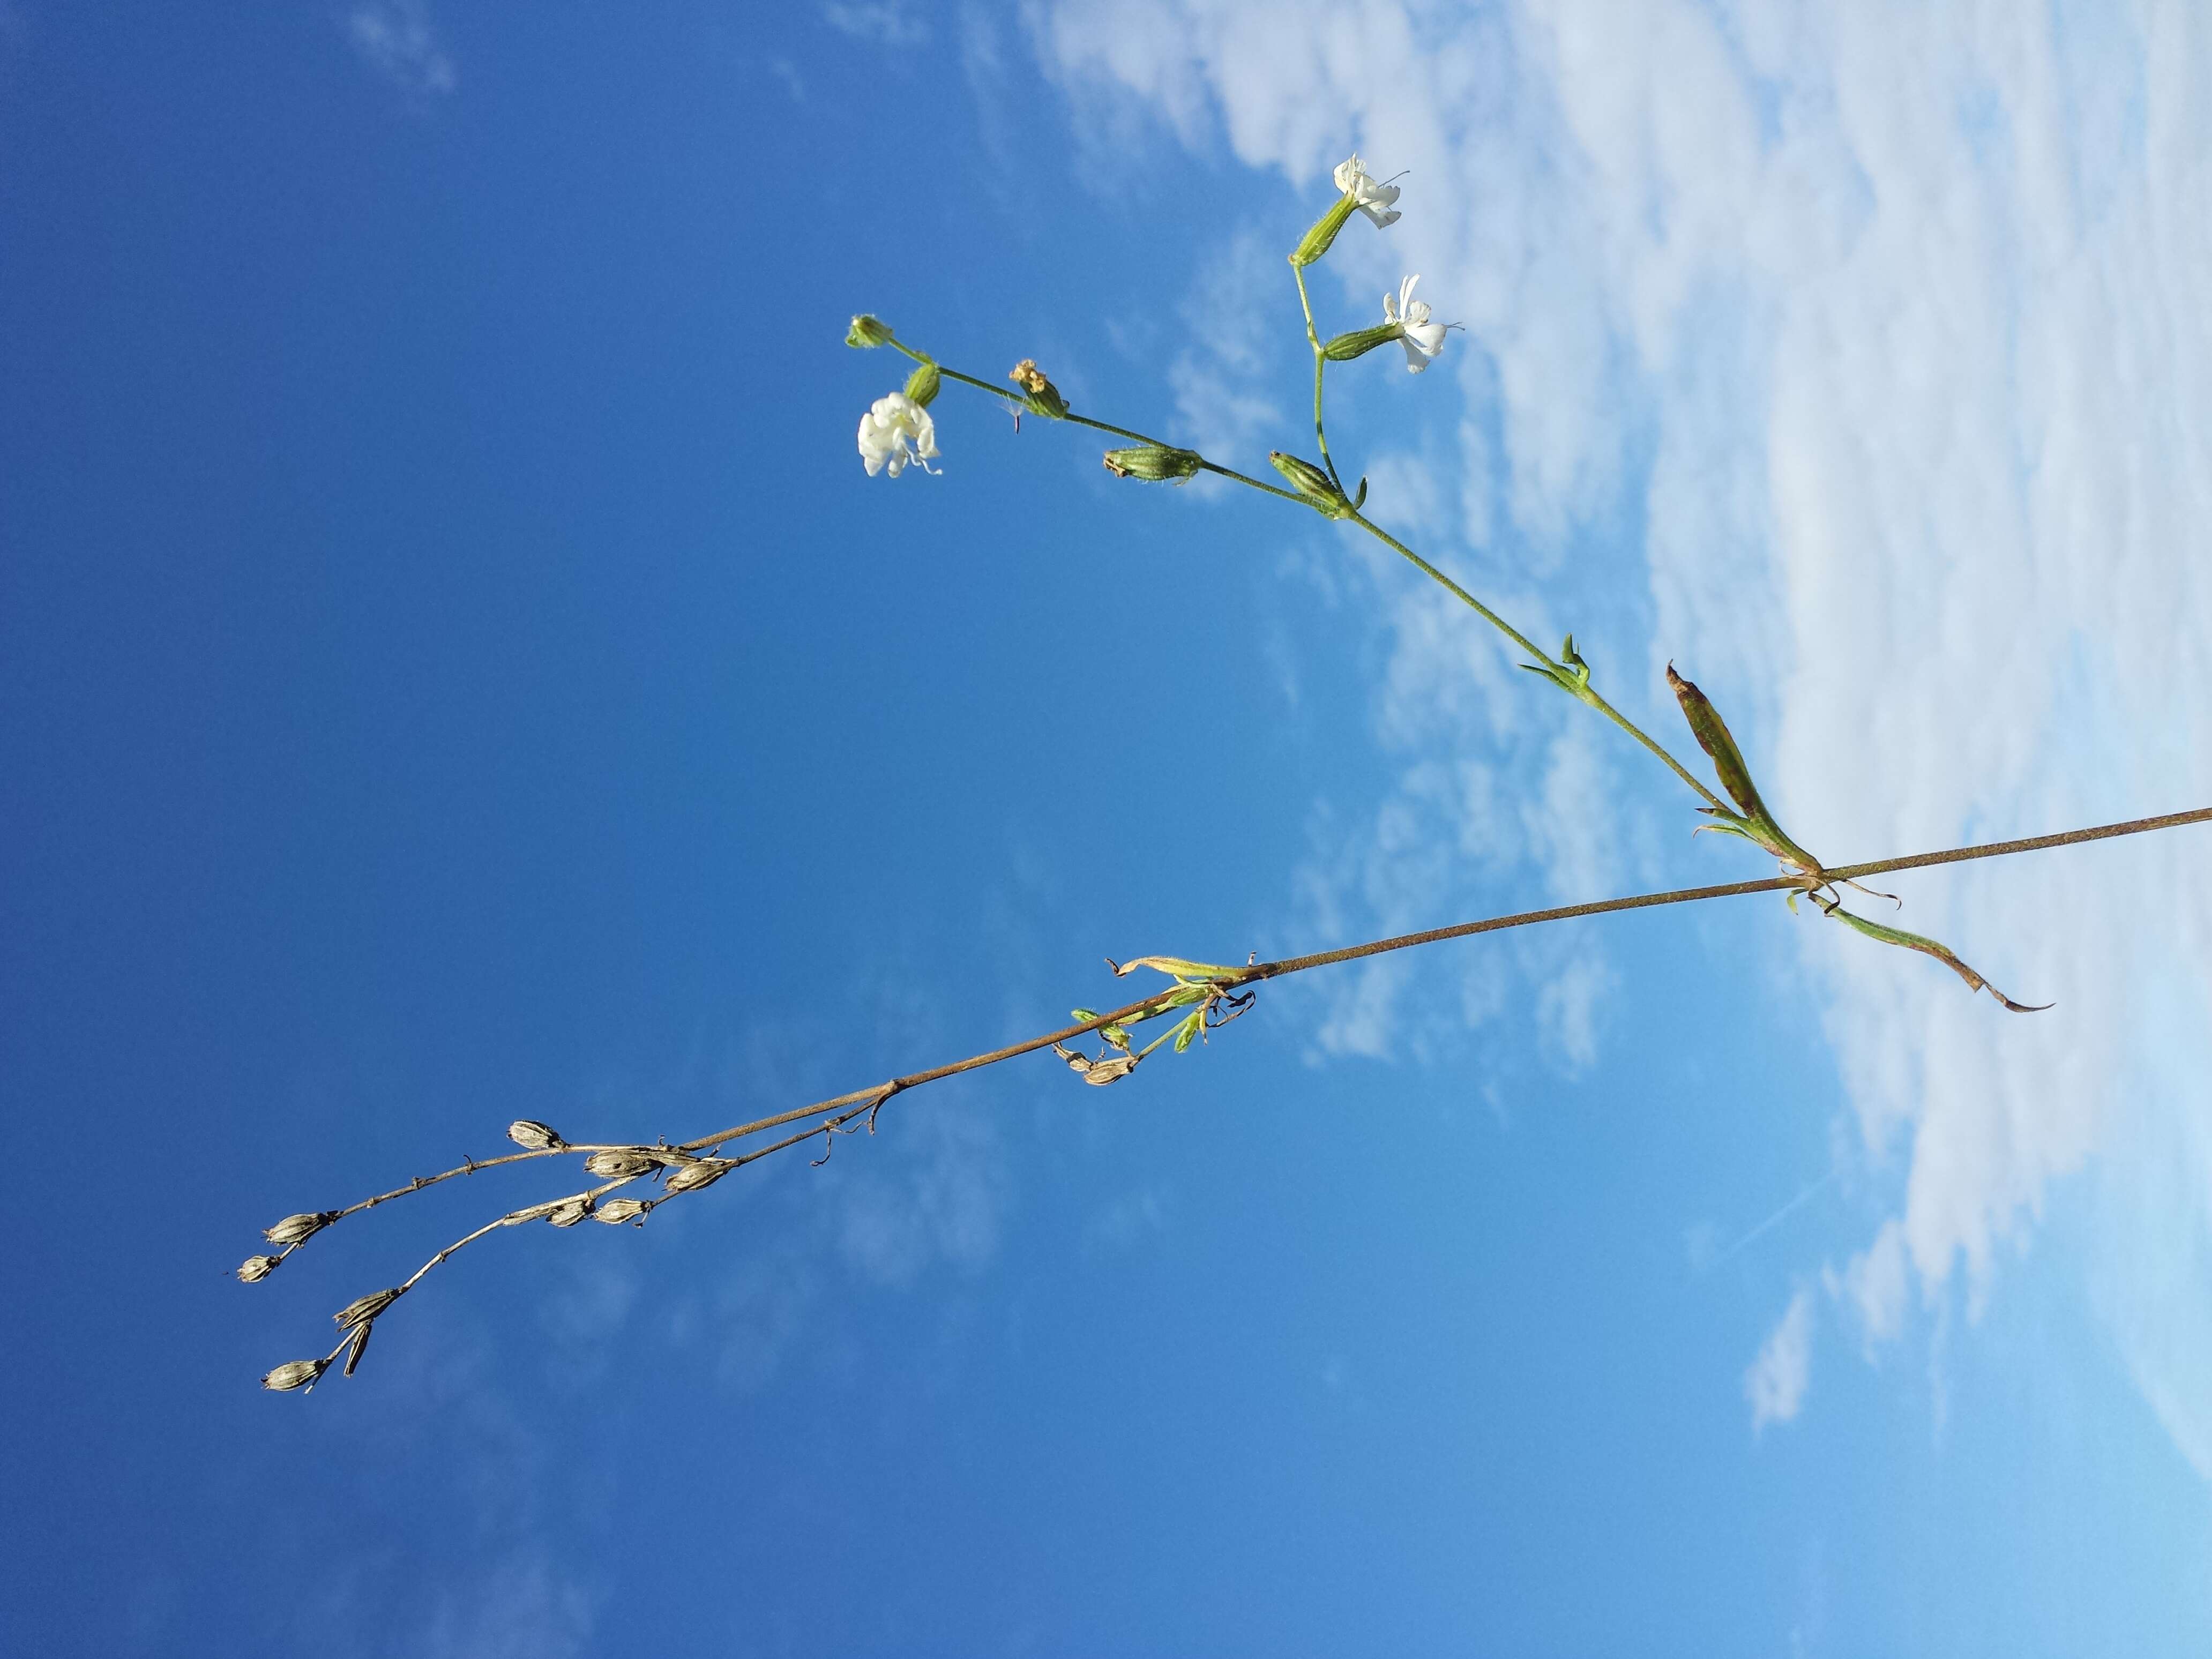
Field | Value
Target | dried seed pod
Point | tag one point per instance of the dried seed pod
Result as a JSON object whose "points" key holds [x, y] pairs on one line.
{"points": [[1104, 1071], [690, 1177], [296, 1374], [569, 1212], [615, 1212], [361, 1309], [255, 1268], [534, 1137], [360, 1346], [620, 1163], [297, 1229]]}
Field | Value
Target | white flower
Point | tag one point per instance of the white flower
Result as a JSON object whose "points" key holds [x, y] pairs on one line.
{"points": [[896, 430], [1422, 339], [1370, 198]]}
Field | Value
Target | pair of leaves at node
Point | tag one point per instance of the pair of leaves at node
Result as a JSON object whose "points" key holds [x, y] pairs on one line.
{"points": [[1570, 673]]}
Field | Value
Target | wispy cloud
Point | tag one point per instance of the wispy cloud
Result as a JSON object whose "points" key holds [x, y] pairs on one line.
{"points": [[881, 22], [396, 39], [1879, 320], [1775, 1385]]}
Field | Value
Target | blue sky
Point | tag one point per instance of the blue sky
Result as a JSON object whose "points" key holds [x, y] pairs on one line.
{"points": [[455, 668]]}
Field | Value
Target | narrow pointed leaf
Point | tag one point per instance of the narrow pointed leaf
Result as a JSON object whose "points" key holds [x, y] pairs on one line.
{"points": [[1941, 952]]}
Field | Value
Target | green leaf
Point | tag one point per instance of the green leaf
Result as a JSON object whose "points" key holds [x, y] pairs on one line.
{"points": [[1181, 967], [1943, 953]]}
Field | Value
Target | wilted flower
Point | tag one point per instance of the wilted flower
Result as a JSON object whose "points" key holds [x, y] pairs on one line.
{"points": [[1422, 339], [690, 1177], [620, 1163], [618, 1211], [294, 1229], [896, 430], [1040, 394], [256, 1268], [1371, 198], [534, 1137], [295, 1374]]}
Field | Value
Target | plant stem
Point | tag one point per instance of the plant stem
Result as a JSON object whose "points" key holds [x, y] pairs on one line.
{"points": [[1321, 362], [1528, 645]]}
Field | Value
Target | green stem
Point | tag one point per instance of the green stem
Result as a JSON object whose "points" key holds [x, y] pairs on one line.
{"points": [[1528, 645], [1321, 362], [1373, 529], [1016, 399]]}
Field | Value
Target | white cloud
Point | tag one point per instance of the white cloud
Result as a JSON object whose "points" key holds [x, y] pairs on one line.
{"points": [[394, 37], [1888, 321], [1775, 1385], [883, 23]]}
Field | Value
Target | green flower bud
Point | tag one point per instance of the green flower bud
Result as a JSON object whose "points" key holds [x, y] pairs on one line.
{"points": [[922, 385], [1324, 231], [1319, 490], [1154, 462], [868, 331], [1345, 347]]}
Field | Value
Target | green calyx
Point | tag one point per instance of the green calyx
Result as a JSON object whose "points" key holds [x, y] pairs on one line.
{"points": [[868, 331], [1318, 490], [1154, 462], [922, 385], [1361, 341], [1324, 231]]}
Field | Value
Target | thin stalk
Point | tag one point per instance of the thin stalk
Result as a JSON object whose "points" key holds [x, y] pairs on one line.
{"points": [[1320, 364], [1537, 651], [1072, 418]]}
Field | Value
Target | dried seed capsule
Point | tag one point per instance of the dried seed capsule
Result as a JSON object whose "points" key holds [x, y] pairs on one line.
{"points": [[296, 1374], [360, 1346], [618, 1211], [534, 1137], [296, 1229], [361, 1309], [568, 1212], [690, 1177], [1104, 1071], [255, 1268], [620, 1163]]}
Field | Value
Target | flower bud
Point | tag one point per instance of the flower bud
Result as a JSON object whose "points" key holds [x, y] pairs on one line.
{"points": [[1345, 347], [868, 331], [1319, 490], [255, 1268], [568, 1212], [1324, 231], [621, 1163], [1154, 462], [618, 1211], [361, 1309], [690, 1177], [922, 385], [534, 1137], [297, 1229], [1042, 396], [295, 1374]]}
